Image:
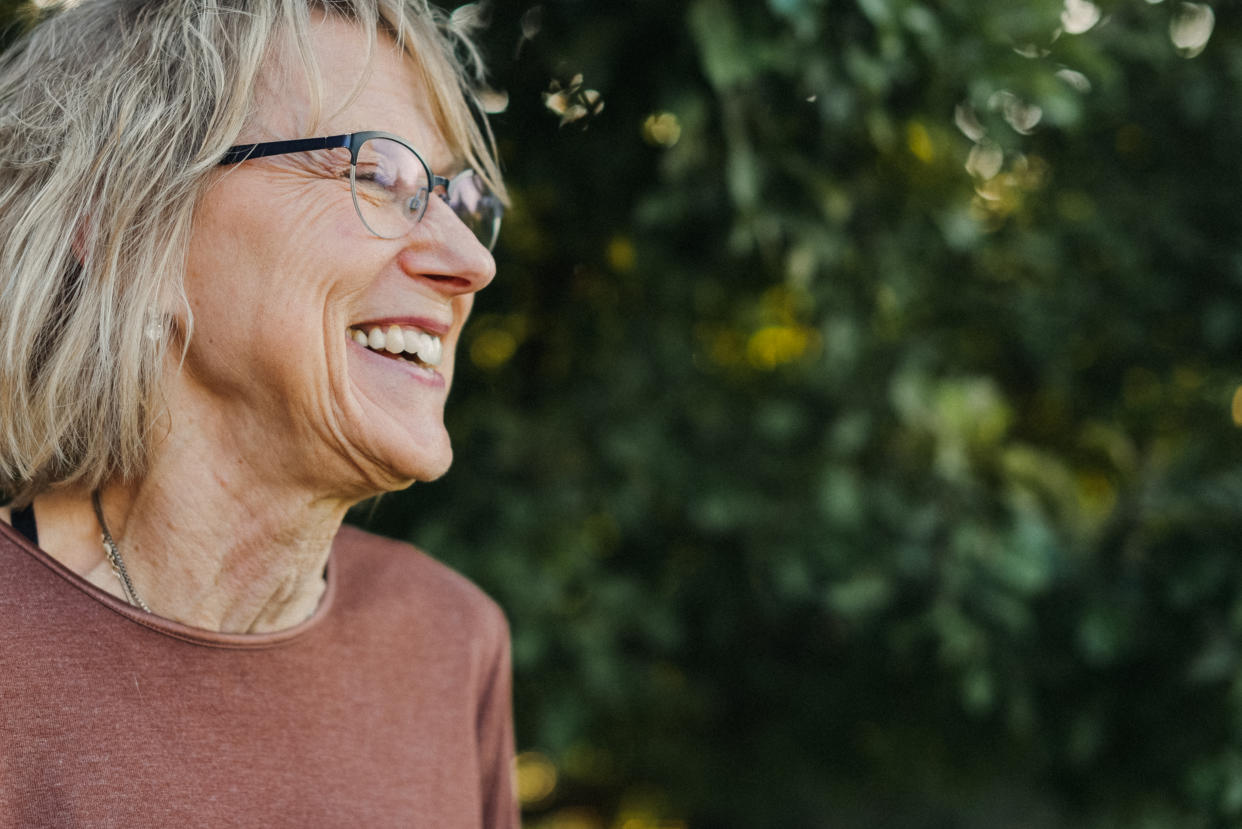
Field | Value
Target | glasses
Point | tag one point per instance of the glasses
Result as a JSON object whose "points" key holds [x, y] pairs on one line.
{"points": [[391, 184]]}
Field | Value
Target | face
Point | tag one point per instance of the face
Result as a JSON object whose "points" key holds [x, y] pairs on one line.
{"points": [[282, 274]]}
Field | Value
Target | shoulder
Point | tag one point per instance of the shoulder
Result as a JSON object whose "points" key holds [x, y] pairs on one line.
{"points": [[378, 572]]}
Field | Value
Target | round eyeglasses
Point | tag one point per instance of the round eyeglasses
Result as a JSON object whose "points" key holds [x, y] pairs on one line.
{"points": [[391, 184]]}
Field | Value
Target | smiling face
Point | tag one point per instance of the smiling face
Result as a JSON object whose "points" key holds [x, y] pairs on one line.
{"points": [[297, 304]]}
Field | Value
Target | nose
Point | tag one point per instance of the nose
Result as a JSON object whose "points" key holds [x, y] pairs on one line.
{"points": [[442, 250]]}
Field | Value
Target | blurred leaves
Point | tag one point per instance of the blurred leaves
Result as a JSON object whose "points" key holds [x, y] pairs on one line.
{"points": [[867, 454]]}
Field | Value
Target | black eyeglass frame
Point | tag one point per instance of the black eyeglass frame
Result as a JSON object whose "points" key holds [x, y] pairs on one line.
{"points": [[353, 142]]}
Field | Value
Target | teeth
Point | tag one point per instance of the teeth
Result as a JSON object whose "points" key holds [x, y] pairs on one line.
{"points": [[414, 342], [428, 348], [394, 340]]}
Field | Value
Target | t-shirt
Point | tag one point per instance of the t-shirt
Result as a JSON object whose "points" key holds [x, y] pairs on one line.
{"points": [[390, 706]]}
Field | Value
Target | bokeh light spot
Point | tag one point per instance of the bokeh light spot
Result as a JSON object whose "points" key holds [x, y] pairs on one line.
{"points": [[1019, 114], [777, 345], [1236, 407], [573, 101], [1074, 78], [493, 101], [919, 142], [620, 254], [1079, 15], [1191, 27], [492, 348], [985, 160], [536, 777], [968, 122], [661, 129]]}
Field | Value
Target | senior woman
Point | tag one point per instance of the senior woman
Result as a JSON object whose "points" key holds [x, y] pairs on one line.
{"points": [[238, 243]]}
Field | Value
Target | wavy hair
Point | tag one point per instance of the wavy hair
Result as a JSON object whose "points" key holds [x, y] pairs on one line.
{"points": [[113, 116]]}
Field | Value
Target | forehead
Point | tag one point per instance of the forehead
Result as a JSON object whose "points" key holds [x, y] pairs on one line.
{"points": [[381, 89]]}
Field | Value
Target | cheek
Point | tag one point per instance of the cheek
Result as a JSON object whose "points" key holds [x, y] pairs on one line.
{"points": [[269, 271], [257, 314], [269, 237]]}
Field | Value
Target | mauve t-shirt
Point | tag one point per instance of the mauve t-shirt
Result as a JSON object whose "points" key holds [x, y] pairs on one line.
{"points": [[390, 706]]}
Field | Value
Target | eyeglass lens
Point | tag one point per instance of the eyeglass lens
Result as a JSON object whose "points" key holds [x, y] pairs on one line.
{"points": [[391, 186], [476, 205]]}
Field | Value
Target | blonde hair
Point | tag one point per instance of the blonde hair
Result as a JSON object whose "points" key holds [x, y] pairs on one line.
{"points": [[113, 116]]}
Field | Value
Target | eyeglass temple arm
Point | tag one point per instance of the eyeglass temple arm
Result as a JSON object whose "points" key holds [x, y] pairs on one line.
{"points": [[241, 152]]}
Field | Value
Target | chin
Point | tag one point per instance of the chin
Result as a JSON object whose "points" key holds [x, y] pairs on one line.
{"points": [[432, 470], [426, 461]]}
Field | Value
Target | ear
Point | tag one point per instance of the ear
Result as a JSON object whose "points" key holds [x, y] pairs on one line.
{"points": [[169, 325], [176, 324]]}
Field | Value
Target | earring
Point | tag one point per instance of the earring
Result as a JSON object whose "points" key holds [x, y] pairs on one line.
{"points": [[153, 329]]}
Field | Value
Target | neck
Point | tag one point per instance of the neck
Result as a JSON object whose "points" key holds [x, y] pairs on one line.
{"points": [[213, 543], [224, 558]]}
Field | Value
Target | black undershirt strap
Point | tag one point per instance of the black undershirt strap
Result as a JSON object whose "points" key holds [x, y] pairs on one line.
{"points": [[23, 520]]}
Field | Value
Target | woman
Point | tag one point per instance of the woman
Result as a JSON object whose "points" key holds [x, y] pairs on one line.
{"points": [[229, 304]]}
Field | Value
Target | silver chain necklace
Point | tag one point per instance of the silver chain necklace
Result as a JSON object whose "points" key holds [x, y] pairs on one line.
{"points": [[114, 557]]}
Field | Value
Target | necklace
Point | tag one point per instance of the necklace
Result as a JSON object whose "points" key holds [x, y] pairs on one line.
{"points": [[113, 553]]}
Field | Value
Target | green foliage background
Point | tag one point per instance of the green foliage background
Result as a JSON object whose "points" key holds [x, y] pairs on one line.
{"points": [[831, 475]]}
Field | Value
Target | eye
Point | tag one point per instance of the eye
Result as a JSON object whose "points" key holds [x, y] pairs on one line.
{"points": [[378, 167], [375, 173], [373, 183]]}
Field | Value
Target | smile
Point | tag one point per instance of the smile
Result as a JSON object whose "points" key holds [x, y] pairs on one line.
{"points": [[408, 344]]}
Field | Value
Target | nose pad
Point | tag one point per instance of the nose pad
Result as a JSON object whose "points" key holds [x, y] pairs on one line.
{"points": [[417, 203]]}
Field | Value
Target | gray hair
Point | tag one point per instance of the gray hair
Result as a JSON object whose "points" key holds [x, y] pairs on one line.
{"points": [[113, 115]]}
